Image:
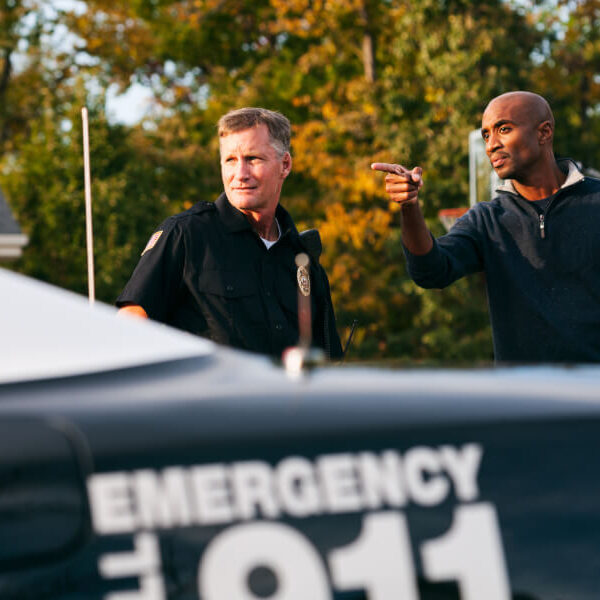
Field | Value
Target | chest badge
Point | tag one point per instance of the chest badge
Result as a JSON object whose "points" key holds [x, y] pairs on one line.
{"points": [[303, 280]]}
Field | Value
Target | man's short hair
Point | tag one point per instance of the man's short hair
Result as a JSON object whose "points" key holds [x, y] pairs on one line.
{"points": [[278, 125]]}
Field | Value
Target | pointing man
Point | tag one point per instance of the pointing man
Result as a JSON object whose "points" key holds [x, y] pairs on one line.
{"points": [[537, 241]]}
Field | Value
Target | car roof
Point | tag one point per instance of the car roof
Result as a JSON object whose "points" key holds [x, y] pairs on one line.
{"points": [[49, 332]]}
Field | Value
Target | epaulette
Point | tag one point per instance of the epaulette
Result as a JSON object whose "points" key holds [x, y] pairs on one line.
{"points": [[202, 206]]}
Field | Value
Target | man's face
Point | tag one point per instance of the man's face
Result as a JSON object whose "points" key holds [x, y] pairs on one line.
{"points": [[511, 138], [252, 170]]}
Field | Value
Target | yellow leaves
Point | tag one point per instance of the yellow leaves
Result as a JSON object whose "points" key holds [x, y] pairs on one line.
{"points": [[192, 13], [330, 111], [370, 183], [357, 227], [434, 95], [297, 17], [369, 108], [293, 6], [298, 7], [304, 100], [335, 152], [115, 33], [437, 98], [322, 54]]}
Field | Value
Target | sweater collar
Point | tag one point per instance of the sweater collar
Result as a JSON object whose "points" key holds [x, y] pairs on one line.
{"points": [[566, 165]]}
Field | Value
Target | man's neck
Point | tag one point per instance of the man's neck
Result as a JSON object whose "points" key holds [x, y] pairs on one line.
{"points": [[543, 184], [264, 224]]}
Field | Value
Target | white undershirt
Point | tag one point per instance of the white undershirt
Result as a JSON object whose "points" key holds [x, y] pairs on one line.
{"points": [[269, 243]]}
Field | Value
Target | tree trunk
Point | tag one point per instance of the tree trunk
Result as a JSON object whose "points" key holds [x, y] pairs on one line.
{"points": [[368, 46]]}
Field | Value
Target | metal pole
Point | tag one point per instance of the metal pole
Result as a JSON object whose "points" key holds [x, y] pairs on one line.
{"points": [[304, 309], [88, 206]]}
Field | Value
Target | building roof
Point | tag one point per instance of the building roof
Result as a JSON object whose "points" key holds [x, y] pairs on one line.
{"points": [[12, 238]]}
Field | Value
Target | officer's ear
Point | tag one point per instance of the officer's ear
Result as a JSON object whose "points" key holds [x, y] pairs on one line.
{"points": [[286, 165]]}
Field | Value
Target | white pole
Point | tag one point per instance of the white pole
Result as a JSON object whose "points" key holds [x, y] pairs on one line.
{"points": [[88, 206]]}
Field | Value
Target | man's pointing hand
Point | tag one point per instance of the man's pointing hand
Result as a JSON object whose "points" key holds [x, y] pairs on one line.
{"points": [[401, 184]]}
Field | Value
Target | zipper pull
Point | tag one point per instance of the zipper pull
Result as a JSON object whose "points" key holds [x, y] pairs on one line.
{"points": [[542, 227]]}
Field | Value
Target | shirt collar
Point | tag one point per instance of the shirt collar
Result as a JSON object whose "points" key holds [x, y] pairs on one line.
{"points": [[285, 221], [234, 219], [574, 175]]}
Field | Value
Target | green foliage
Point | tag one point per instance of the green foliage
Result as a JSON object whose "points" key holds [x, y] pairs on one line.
{"points": [[44, 182], [361, 80]]}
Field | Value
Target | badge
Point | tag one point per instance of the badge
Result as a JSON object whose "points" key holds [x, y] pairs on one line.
{"points": [[303, 280], [152, 241]]}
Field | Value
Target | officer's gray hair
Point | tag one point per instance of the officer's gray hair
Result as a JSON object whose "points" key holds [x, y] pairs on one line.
{"points": [[245, 118]]}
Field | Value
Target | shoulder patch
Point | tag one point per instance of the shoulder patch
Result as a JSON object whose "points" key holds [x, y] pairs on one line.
{"points": [[152, 241]]}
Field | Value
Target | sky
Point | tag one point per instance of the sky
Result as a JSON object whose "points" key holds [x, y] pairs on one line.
{"points": [[127, 108]]}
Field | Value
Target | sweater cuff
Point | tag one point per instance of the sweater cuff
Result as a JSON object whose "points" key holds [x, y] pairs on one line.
{"points": [[425, 262]]}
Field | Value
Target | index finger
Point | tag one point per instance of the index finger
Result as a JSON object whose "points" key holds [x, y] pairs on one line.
{"points": [[390, 168]]}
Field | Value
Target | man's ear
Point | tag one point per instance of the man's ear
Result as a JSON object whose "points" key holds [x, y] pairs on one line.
{"points": [[286, 164], [545, 132]]}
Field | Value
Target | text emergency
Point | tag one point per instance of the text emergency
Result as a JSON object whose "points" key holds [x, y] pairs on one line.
{"points": [[221, 493]]}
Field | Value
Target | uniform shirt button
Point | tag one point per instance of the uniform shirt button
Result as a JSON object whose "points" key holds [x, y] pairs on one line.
{"points": [[268, 294]]}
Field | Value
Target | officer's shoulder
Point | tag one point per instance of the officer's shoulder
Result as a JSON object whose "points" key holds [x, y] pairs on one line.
{"points": [[311, 241], [201, 208]]}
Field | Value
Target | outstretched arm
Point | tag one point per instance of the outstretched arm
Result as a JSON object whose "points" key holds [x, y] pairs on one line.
{"points": [[402, 186]]}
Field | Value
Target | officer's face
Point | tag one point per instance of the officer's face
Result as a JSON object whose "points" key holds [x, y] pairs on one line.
{"points": [[252, 170]]}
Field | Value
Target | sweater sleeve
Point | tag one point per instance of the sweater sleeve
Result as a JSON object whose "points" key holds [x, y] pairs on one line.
{"points": [[454, 255]]}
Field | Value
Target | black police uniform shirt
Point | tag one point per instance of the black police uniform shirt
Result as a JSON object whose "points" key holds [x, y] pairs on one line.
{"points": [[206, 271]]}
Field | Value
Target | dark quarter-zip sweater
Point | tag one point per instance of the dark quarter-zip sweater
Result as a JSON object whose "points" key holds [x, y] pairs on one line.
{"points": [[542, 270]]}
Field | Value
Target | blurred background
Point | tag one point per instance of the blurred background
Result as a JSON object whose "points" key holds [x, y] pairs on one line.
{"points": [[361, 81]]}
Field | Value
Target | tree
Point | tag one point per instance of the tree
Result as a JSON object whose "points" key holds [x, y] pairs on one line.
{"points": [[44, 182], [568, 76]]}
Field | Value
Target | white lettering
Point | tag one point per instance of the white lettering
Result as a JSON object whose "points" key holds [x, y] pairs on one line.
{"points": [[297, 487], [426, 490], [379, 560], [470, 552], [162, 499], [340, 484], [462, 466], [213, 499], [144, 562], [381, 479], [111, 503], [232, 555], [252, 485]]}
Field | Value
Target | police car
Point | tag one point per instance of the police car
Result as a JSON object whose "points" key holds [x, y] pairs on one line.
{"points": [[140, 463]]}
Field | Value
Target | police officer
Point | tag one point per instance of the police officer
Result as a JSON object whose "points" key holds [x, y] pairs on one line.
{"points": [[226, 270]]}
